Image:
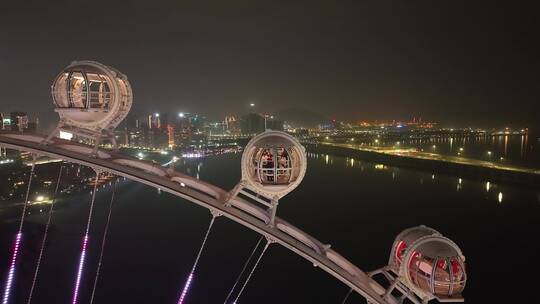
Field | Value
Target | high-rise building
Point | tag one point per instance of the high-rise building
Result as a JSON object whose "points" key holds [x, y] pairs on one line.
{"points": [[215, 128], [19, 121], [187, 126], [232, 125], [4, 122], [170, 135], [252, 123], [273, 123]]}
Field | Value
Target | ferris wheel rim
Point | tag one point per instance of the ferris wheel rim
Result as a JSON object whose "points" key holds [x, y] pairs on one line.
{"points": [[327, 259]]}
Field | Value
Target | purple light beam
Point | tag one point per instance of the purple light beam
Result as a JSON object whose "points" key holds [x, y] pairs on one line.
{"points": [[11, 273]]}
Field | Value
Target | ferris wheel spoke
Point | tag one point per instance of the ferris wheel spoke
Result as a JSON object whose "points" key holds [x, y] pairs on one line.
{"points": [[243, 270], [82, 257], [45, 236], [103, 242], [189, 280], [347, 296], [18, 238], [251, 273]]}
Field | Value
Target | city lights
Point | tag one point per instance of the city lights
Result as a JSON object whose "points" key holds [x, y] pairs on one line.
{"points": [[192, 155], [66, 135], [6, 161], [80, 270], [11, 273], [380, 167], [186, 288]]}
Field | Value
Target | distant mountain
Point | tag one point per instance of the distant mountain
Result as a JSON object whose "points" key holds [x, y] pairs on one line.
{"points": [[300, 117]]}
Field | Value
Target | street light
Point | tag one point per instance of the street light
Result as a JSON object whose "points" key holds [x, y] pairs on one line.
{"points": [[489, 153], [252, 104]]}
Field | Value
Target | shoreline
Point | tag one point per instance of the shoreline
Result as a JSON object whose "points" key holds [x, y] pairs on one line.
{"points": [[435, 164]]}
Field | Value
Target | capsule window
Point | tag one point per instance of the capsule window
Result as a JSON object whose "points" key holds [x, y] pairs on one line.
{"points": [[99, 91], [400, 250], [82, 90], [273, 166], [77, 90]]}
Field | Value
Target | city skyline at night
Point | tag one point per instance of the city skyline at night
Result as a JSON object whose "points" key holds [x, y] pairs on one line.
{"points": [[463, 65], [259, 152]]}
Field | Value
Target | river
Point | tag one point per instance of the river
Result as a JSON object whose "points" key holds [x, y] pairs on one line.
{"points": [[355, 206]]}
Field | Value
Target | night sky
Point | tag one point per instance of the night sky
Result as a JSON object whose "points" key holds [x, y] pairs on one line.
{"points": [[450, 61]]}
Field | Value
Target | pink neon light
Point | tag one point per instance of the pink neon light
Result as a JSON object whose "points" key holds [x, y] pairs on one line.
{"points": [[80, 270], [11, 273], [186, 288]]}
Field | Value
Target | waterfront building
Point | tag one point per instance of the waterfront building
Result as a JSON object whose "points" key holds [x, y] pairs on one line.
{"points": [[5, 122], [273, 123], [252, 123], [232, 125], [19, 121]]}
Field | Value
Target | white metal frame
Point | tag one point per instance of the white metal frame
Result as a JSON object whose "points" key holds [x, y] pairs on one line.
{"points": [[217, 200]]}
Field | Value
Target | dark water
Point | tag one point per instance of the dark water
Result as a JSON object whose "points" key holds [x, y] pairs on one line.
{"points": [[357, 207]]}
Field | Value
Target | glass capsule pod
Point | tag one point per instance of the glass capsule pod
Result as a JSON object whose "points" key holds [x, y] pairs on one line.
{"points": [[405, 239], [90, 95], [273, 163], [429, 262]]}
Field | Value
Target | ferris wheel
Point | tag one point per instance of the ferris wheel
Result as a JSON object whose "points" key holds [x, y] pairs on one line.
{"points": [[92, 99]]}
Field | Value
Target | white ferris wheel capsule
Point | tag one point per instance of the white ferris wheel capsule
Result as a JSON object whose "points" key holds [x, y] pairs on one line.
{"points": [[428, 264], [91, 99], [273, 164]]}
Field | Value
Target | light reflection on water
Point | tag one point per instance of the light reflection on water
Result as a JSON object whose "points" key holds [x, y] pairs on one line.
{"points": [[328, 160]]}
